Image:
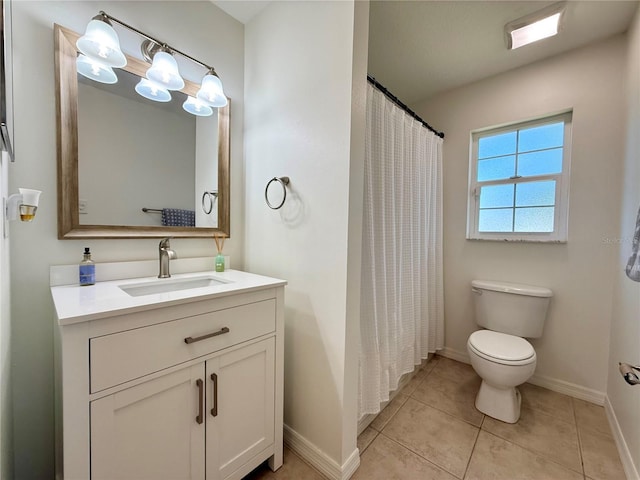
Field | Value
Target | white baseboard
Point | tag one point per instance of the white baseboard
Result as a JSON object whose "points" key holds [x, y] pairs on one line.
{"points": [[455, 355], [320, 460], [560, 386], [630, 469], [571, 389]]}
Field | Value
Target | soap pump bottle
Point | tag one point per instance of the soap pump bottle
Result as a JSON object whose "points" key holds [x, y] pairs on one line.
{"points": [[87, 269]]}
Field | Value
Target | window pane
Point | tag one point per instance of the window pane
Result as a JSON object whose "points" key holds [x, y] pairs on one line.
{"points": [[496, 220], [535, 194], [497, 145], [496, 168], [496, 196], [537, 138], [535, 220], [545, 162]]}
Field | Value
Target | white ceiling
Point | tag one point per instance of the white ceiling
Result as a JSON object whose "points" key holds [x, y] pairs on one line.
{"points": [[420, 48], [242, 10]]}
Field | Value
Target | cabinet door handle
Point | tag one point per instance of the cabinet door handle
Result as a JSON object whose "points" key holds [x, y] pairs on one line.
{"points": [[214, 410], [200, 385], [190, 340]]}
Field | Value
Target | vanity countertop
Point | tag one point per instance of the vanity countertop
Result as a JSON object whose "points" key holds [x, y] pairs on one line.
{"points": [[75, 304]]}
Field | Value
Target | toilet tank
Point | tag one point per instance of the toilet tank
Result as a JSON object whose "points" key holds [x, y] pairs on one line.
{"points": [[511, 308]]}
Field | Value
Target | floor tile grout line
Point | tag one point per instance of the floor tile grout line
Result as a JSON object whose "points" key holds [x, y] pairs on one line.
{"points": [[369, 444], [575, 418], [539, 410], [448, 413], [391, 417], [407, 447], [535, 452], [455, 417], [466, 468]]}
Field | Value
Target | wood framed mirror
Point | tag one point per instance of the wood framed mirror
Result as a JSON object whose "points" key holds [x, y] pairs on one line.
{"points": [[141, 219]]}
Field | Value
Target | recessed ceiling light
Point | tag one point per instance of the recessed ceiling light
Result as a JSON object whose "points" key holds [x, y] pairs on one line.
{"points": [[531, 28]]}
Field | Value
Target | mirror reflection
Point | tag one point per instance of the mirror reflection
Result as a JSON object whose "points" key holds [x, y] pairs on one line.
{"points": [[164, 169]]}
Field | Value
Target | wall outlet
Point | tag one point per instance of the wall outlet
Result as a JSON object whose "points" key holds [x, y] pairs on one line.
{"points": [[82, 207]]}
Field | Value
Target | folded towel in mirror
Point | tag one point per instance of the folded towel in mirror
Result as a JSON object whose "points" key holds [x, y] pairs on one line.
{"points": [[633, 265], [177, 217]]}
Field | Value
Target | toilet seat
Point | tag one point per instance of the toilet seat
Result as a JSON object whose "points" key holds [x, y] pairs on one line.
{"points": [[501, 348]]}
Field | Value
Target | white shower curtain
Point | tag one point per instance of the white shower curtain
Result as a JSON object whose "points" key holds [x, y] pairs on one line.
{"points": [[402, 316]]}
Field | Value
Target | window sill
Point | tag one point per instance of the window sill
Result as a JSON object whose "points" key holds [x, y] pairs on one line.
{"points": [[518, 240]]}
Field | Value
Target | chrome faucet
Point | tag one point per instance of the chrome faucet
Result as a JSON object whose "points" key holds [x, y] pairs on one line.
{"points": [[166, 254]]}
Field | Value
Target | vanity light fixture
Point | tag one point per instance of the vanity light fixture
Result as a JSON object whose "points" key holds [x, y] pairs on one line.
{"points": [[197, 107], [96, 71], [164, 68], [211, 91], [100, 43], [542, 24], [153, 91]]}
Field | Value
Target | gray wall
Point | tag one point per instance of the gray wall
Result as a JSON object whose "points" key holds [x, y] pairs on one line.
{"points": [[300, 122], [198, 28], [574, 348], [625, 319]]}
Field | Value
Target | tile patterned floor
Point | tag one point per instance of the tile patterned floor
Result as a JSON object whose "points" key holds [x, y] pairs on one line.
{"points": [[431, 430]]}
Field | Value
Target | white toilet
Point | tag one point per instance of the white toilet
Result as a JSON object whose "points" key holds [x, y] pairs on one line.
{"points": [[500, 355]]}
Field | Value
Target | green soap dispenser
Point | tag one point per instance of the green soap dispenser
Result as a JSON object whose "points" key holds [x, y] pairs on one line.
{"points": [[87, 269]]}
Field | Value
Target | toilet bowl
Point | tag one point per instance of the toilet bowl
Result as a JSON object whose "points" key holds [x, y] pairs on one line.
{"points": [[502, 361], [499, 354]]}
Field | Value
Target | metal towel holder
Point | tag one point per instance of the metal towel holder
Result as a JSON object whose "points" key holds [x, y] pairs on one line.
{"points": [[212, 196], [283, 181]]}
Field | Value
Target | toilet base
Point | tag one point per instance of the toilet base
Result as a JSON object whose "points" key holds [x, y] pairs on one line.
{"points": [[500, 403]]}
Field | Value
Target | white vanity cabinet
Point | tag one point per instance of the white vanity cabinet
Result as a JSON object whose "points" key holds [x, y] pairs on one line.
{"points": [[174, 391]]}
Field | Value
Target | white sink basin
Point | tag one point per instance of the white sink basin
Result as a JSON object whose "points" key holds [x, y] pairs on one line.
{"points": [[170, 285]]}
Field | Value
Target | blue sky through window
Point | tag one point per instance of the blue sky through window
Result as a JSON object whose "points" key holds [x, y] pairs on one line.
{"points": [[537, 138], [497, 145], [521, 205]]}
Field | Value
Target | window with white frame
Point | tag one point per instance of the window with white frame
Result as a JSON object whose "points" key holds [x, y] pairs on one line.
{"points": [[519, 181]]}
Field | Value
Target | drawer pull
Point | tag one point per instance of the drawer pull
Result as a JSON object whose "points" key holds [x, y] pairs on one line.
{"points": [[190, 340], [214, 410], [200, 385]]}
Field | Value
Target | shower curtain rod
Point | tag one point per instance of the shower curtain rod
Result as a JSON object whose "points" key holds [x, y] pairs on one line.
{"points": [[395, 100]]}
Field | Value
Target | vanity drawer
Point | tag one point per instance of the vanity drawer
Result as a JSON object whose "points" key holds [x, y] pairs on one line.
{"points": [[124, 356]]}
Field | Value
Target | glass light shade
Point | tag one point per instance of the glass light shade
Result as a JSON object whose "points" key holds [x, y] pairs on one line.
{"points": [[100, 42], [152, 91], [96, 71], [197, 107], [211, 91], [164, 71]]}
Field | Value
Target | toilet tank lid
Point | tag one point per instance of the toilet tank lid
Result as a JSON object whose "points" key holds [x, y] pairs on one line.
{"points": [[516, 288]]}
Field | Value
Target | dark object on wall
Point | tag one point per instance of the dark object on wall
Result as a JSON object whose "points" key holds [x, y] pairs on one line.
{"points": [[5, 140], [633, 265], [630, 373]]}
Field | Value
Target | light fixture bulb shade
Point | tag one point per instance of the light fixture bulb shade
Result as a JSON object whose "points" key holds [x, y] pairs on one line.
{"points": [[211, 91], [96, 71], [164, 71], [197, 107], [152, 91], [100, 42]]}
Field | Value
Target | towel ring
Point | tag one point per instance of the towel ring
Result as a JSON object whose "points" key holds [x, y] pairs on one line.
{"points": [[208, 195], [283, 181]]}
